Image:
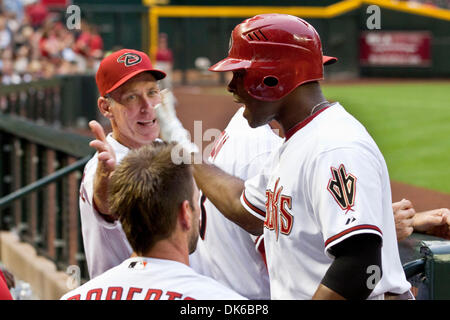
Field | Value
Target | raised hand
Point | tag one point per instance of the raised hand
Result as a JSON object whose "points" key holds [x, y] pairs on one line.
{"points": [[106, 165], [106, 154]]}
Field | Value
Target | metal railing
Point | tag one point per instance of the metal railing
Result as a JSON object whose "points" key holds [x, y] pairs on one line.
{"points": [[56, 102], [40, 171]]}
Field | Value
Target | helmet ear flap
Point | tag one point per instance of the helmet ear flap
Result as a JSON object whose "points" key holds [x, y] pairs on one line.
{"points": [[262, 86], [271, 81]]}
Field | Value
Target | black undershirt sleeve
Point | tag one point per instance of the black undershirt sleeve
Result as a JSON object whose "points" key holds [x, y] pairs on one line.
{"points": [[356, 259]]}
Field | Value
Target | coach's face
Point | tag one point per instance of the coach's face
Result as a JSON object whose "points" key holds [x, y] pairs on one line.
{"points": [[257, 112], [130, 108]]}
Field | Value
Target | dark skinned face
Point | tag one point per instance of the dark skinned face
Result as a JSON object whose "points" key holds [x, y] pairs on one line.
{"points": [[257, 112]]}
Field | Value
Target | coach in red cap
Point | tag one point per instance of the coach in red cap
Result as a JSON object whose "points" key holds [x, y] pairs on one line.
{"points": [[129, 92]]}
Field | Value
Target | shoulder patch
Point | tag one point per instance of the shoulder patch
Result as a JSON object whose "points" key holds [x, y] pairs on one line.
{"points": [[342, 187]]}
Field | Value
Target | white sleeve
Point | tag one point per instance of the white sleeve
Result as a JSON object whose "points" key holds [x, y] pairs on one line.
{"points": [[87, 195], [346, 194], [105, 243], [253, 167], [263, 147], [253, 197]]}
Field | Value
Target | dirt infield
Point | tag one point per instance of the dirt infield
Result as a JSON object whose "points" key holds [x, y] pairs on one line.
{"points": [[215, 110]]}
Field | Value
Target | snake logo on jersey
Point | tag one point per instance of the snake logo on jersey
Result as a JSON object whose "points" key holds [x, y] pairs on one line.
{"points": [[342, 187], [278, 217]]}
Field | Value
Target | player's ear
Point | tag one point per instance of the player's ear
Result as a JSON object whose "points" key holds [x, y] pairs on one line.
{"points": [[185, 215], [104, 106]]}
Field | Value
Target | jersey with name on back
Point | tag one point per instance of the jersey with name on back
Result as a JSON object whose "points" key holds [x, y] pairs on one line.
{"points": [[142, 278]]}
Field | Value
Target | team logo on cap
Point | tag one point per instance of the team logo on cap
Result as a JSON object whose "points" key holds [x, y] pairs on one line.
{"points": [[129, 59]]}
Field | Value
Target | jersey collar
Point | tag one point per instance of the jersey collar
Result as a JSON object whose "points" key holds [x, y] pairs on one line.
{"points": [[303, 123], [117, 146]]}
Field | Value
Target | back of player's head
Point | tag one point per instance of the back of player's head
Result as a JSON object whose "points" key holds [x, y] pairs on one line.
{"points": [[146, 192], [279, 52]]}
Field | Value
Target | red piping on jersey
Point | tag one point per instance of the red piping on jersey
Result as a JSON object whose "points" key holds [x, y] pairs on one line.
{"points": [[303, 123], [257, 210], [343, 233]]}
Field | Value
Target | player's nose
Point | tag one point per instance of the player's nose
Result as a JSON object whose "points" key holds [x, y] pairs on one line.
{"points": [[232, 86]]}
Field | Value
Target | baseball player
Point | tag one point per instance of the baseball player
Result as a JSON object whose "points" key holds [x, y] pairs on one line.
{"points": [[323, 199], [128, 88], [225, 251], [160, 216]]}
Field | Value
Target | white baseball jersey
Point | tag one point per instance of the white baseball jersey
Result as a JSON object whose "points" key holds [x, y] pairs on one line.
{"points": [[225, 251], [105, 243], [141, 278], [327, 182]]}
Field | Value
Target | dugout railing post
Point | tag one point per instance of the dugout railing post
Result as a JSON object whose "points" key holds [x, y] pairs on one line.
{"points": [[39, 199]]}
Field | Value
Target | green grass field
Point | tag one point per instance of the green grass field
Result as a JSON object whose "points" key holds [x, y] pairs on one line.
{"points": [[410, 123]]}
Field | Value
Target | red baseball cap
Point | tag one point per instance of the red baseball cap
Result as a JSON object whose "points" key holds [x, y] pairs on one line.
{"points": [[120, 66]]}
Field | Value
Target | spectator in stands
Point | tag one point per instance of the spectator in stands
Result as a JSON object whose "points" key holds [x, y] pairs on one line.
{"points": [[36, 44], [5, 33], [24, 36], [22, 59], [49, 43], [9, 75], [164, 60], [15, 7], [95, 44], [37, 13], [35, 69], [88, 47]]}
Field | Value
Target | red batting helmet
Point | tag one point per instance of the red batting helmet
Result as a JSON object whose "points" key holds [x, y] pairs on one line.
{"points": [[279, 53]]}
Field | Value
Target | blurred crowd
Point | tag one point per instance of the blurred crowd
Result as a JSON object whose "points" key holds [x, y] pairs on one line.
{"points": [[35, 43]]}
